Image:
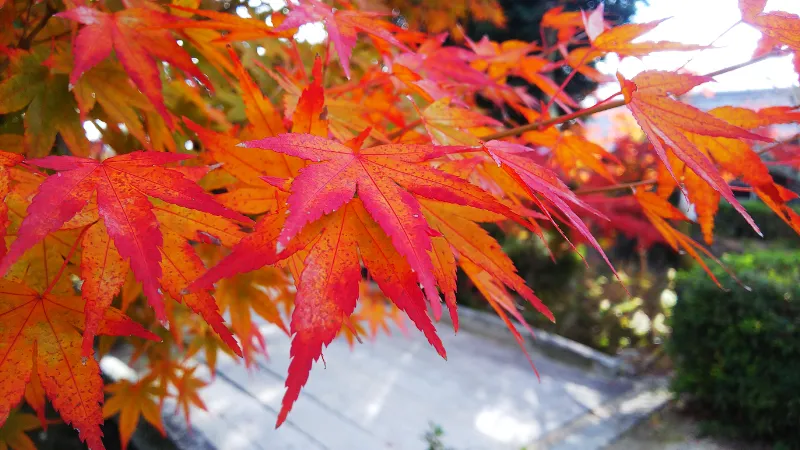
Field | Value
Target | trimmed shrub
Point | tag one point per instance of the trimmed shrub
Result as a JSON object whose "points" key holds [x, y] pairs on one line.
{"points": [[728, 223], [737, 352]]}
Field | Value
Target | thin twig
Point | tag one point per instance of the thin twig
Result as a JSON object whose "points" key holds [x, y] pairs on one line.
{"points": [[611, 105], [615, 187], [746, 63], [538, 125], [25, 41], [566, 81], [709, 44]]}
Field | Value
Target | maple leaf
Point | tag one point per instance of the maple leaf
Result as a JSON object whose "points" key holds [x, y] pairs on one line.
{"points": [[777, 27], [734, 156], [44, 329], [570, 149], [449, 125], [239, 28], [138, 38], [257, 292], [566, 22], [187, 385], [13, 432], [501, 302], [658, 211], [181, 265], [50, 108], [666, 121], [6, 160], [619, 40], [35, 396], [123, 184], [384, 176], [345, 116], [107, 85], [443, 64], [131, 400], [329, 287], [342, 27], [457, 225], [535, 179]]}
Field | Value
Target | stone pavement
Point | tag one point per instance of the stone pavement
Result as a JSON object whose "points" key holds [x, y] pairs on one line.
{"points": [[385, 395]]}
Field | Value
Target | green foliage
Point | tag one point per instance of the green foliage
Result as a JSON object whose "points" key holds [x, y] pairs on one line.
{"points": [[590, 305], [737, 352], [730, 224], [433, 438]]}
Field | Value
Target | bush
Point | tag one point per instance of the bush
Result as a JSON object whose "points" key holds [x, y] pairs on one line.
{"points": [[730, 224], [737, 352]]}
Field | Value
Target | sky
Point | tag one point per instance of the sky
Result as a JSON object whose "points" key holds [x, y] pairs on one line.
{"points": [[691, 22], [701, 22]]}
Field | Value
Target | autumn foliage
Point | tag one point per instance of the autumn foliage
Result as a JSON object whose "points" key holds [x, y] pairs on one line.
{"points": [[239, 173]]}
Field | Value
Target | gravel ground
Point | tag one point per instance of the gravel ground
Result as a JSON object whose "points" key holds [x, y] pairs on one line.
{"points": [[668, 429]]}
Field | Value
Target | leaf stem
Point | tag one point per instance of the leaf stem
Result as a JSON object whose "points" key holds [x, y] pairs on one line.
{"points": [[772, 146], [566, 81], [615, 187], [399, 132]]}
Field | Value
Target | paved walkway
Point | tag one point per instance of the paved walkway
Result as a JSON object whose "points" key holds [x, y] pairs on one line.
{"points": [[385, 394]]}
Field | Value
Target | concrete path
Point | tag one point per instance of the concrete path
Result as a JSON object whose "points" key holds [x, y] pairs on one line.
{"points": [[385, 394]]}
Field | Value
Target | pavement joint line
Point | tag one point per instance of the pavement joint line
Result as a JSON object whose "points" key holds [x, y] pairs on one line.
{"points": [[607, 411]]}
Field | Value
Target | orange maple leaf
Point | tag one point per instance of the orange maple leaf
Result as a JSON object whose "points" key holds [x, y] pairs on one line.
{"points": [[6, 160], [737, 158], [13, 435], [385, 176], [778, 27], [132, 400], [342, 26], [329, 287], [123, 184], [138, 37], [619, 40], [666, 121], [658, 211], [43, 331]]}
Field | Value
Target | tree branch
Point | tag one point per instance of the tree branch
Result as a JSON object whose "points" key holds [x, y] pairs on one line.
{"points": [[533, 126], [746, 63], [25, 41]]}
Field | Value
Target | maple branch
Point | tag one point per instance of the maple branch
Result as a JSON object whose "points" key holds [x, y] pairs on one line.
{"points": [[746, 63], [66, 260], [615, 187], [709, 44], [540, 124], [25, 40]]}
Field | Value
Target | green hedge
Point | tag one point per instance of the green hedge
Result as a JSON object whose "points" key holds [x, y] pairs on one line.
{"points": [[728, 223], [737, 352]]}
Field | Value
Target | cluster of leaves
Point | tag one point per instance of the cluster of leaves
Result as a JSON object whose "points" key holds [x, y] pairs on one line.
{"points": [[735, 352], [236, 174]]}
